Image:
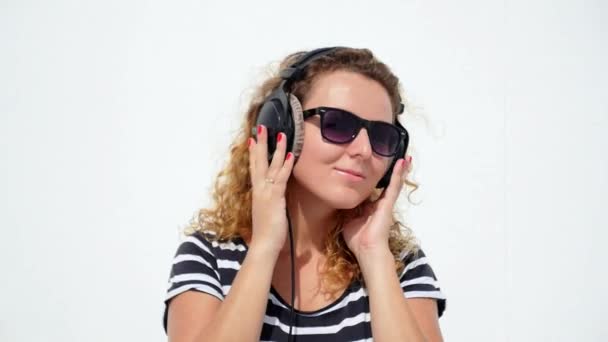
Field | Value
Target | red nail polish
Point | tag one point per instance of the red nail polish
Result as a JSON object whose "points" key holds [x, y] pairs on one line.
{"points": [[249, 141], [279, 137], [289, 155], [259, 129]]}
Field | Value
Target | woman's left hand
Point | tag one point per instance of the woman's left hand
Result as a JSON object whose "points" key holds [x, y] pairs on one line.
{"points": [[369, 232]]}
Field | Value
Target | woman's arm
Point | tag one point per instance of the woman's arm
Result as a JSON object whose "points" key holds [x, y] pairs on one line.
{"points": [[200, 317], [393, 317]]}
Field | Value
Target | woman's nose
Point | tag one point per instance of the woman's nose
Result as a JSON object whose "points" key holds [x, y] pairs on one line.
{"points": [[361, 145]]}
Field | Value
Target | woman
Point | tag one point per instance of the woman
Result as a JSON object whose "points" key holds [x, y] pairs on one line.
{"points": [[358, 272]]}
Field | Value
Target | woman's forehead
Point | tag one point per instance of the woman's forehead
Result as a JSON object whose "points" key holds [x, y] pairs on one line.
{"points": [[353, 92]]}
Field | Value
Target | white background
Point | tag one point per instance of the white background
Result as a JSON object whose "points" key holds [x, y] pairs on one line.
{"points": [[115, 117]]}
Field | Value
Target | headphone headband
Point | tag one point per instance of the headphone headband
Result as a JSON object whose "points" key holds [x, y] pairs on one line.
{"points": [[294, 71]]}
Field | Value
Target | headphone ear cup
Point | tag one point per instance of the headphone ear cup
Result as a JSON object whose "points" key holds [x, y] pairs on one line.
{"points": [[386, 179], [275, 115], [297, 140]]}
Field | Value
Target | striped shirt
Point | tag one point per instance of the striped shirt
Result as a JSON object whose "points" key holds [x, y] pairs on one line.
{"points": [[208, 266]]}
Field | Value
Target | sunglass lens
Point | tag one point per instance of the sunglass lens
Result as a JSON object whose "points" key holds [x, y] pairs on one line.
{"points": [[338, 126], [384, 139]]}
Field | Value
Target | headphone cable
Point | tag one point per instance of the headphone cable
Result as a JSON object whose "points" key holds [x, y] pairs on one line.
{"points": [[293, 280]]}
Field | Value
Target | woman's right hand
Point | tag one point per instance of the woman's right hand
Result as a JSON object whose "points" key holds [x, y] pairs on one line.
{"points": [[269, 219]]}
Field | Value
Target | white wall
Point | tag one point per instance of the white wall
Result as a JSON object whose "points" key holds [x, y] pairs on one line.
{"points": [[116, 115]]}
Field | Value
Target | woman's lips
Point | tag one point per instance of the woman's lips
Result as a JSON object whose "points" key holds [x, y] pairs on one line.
{"points": [[350, 175]]}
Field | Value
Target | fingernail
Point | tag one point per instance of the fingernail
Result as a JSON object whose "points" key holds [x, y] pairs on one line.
{"points": [[249, 141], [259, 129], [402, 163], [409, 159], [289, 155], [279, 137]]}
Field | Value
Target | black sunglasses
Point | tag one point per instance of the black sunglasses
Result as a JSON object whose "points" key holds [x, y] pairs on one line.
{"points": [[340, 126]]}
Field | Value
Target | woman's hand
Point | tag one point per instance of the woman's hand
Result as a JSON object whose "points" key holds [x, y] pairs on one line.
{"points": [[269, 219], [369, 232]]}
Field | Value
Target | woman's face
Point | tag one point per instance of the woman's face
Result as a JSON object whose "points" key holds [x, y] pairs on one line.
{"points": [[318, 167]]}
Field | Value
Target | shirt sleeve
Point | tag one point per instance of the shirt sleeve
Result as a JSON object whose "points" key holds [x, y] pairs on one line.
{"points": [[419, 281], [194, 268]]}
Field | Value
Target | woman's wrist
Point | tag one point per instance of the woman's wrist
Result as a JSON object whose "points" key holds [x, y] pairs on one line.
{"points": [[263, 252], [372, 258]]}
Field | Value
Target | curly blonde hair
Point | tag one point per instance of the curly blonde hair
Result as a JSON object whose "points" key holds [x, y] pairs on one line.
{"points": [[230, 215]]}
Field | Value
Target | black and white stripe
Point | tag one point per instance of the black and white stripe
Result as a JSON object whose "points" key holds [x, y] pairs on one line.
{"points": [[208, 266]]}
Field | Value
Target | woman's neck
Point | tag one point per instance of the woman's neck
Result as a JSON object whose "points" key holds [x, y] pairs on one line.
{"points": [[311, 219]]}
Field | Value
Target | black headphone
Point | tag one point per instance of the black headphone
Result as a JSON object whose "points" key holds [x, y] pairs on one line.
{"points": [[282, 112]]}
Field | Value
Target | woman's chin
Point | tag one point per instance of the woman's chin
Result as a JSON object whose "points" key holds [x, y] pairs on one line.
{"points": [[334, 194], [340, 197]]}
